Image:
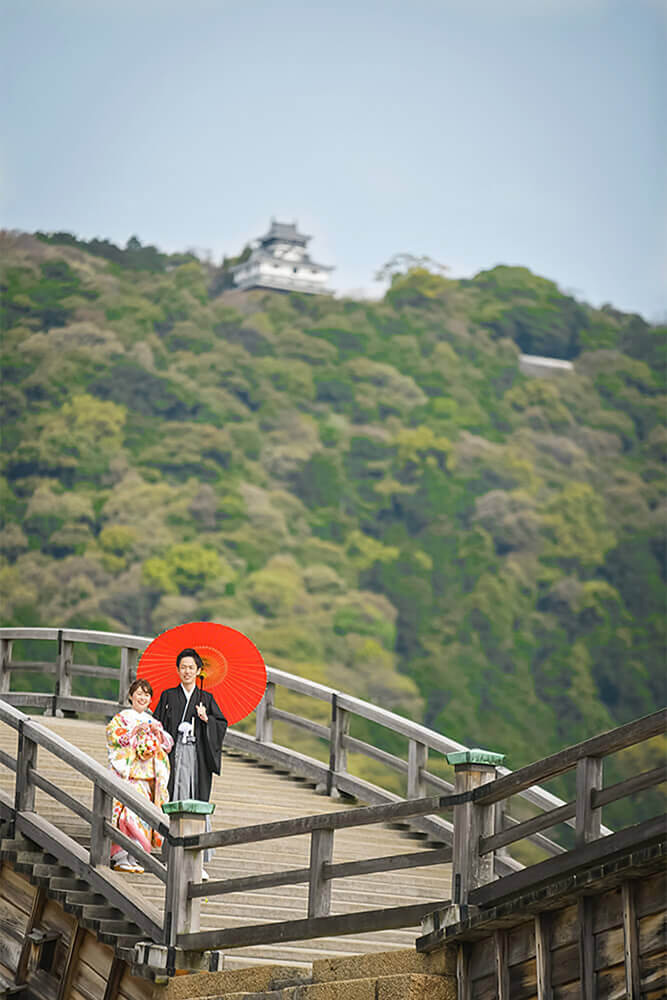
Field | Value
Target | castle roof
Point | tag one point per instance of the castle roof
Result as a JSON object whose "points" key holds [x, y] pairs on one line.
{"points": [[286, 232]]}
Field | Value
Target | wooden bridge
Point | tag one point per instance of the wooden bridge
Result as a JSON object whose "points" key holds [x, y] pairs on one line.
{"points": [[400, 870]]}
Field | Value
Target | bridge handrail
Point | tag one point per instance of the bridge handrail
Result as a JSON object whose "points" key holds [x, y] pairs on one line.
{"points": [[420, 738], [478, 789], [101, 777]]}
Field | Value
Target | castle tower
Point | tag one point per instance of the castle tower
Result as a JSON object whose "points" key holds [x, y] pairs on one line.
{"points": [[280, 260]]}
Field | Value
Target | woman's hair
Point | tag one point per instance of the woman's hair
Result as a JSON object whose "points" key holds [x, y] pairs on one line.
{"points": [[140, 683], [195, 656]]}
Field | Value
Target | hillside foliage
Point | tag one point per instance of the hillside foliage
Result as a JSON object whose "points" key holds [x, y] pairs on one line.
{"points": [[370, 490]]}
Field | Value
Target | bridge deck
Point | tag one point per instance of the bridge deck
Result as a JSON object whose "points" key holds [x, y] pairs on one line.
{"points": [[248, 793]]}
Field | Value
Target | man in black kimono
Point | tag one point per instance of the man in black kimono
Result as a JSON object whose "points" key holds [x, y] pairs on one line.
{"points": [[194, 720]]}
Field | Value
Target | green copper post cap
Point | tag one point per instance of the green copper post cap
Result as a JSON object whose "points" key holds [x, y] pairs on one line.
{"points": [[475, 756], [189, 806]]}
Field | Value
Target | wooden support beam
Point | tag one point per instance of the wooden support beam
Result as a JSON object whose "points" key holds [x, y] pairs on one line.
{"points": [[114, 978], [417, 759], [630, 786], [26, 759], [588, 819], [5, 665], [340, 728], [387, 918], [527, 828], [319, 887], [38, 903], [502, 965], [586, 948], [64, 673], [631, 942], [543, 955], [71, 960], [463, 980], [129, 659], [263, 720], [634, 837], [100, 842]]}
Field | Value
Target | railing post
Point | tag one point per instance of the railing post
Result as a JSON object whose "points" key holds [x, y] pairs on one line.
{"points": [[100, 841], [472, 768], [263, 720], [499, 826], [588, 820], [64, 675], [319, 888], [26, 758], [340, 727], [5, 664], [129, 659], [181, 914], [417, 757]]}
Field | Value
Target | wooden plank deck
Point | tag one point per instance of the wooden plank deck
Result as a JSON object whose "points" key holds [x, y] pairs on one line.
{"points": [[248, 793]]}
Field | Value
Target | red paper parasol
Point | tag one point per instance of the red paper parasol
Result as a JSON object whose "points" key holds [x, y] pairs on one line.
{"points": [[234, 671]]}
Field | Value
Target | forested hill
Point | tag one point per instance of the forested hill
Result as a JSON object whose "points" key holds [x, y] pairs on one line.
{"points": [[370, 490]]}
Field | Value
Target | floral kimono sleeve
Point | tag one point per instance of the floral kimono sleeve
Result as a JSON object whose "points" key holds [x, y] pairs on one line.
{"points": [[166, 741], [121, 755]]}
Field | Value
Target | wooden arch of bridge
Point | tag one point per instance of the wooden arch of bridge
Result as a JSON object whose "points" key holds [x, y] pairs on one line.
{"points": [[476, 836]]}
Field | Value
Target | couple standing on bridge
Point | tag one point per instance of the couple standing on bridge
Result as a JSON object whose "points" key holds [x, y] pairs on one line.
{"points": [[169, 755]]}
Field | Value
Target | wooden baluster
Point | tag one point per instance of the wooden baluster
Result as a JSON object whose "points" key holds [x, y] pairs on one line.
{"points": [[417, 758], [587, 975], [263, 720], [340, 727], [64, 675], [319, 888], [499, 825], [5, 665], [502, 965], [631, 942], [543, 956], [588, 820], [100, 841], [129, 659], [26, 757], [472, 769], [181, 913], [463, 980]]}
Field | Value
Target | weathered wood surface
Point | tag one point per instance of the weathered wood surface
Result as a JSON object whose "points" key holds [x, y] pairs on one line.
{"points": [[575, 949], [565, 760], [650, 831], [527, 828], [311, 927], [363, 816]]}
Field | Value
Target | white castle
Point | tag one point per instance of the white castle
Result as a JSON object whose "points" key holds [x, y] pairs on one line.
{"points": [[280, 260]]}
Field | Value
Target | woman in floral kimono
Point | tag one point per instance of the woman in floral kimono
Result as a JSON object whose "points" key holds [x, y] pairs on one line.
{"points": [[138, 747]]}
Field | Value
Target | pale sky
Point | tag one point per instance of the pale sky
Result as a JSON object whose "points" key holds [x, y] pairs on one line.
{"points": [[477, 132]]}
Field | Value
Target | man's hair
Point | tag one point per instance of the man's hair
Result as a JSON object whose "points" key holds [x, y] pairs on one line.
{"points": [[195, 656], [140, 683]]}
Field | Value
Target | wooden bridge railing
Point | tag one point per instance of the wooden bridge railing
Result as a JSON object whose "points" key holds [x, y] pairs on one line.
{"points": [[331, 778], [92, 864], [180, 873], [478, 788]]}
